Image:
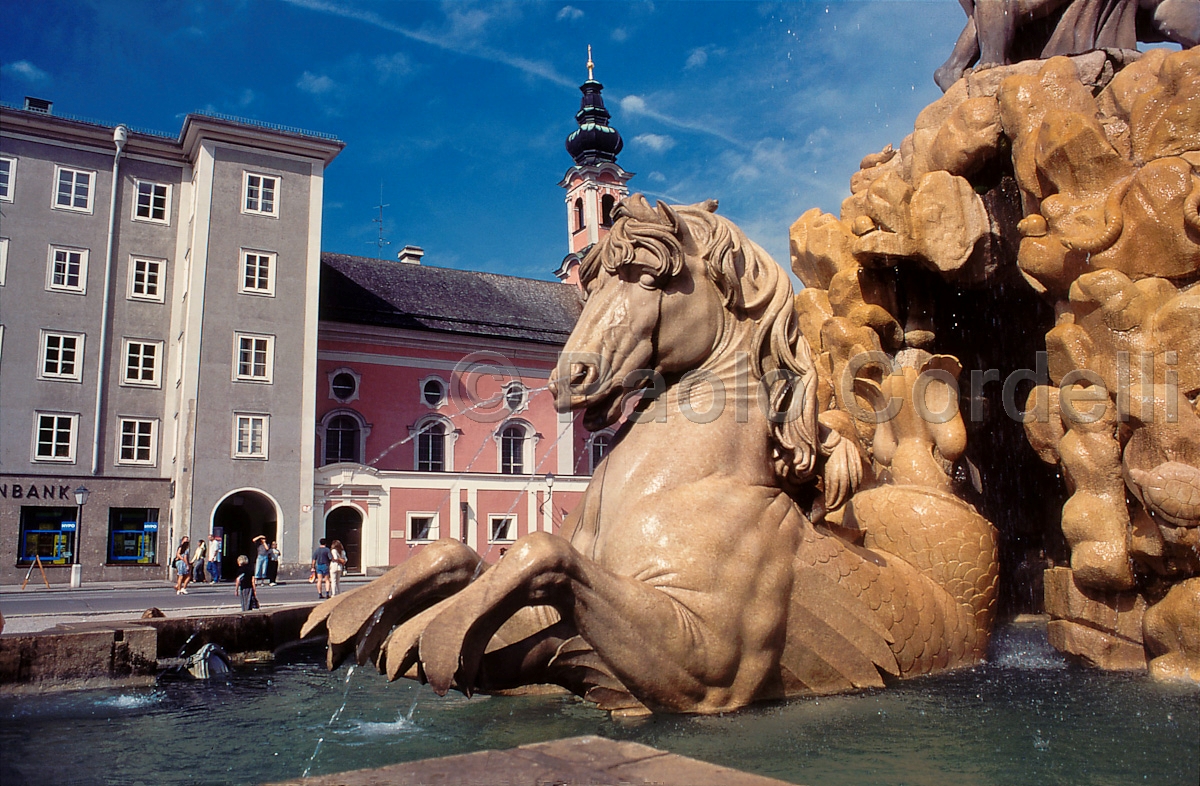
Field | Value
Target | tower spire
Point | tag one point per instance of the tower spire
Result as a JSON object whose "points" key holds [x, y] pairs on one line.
{"points": [[590, 64]]}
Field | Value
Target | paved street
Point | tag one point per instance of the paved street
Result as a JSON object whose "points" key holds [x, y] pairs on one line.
{"points": [[37, 608]]}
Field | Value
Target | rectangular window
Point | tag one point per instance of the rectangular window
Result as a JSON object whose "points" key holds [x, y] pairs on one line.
{"points": [[74, 189], [153, 202], [502, 529], [8, 175], [422, 527], [258, 273], [54, 436], [3, 259], [138, 442], [133, 536], [145, 279], [62, 356], [47, 533], [143, 359], [260, 195], [67, 271], [255, 358], [250, 436]]}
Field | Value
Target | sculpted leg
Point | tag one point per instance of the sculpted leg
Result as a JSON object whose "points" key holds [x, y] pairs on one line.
{"points": [[360, 621], [660, 650]]}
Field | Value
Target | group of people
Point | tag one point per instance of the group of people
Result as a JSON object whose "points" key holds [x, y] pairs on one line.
{"points": [[204, 559]]}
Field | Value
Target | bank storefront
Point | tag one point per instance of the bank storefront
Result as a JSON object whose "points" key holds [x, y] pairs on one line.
{"points": [[110, 527]]}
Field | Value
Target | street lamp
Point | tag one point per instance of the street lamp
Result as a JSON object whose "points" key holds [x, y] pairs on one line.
{"points": [[550, 499], [81, 498]]}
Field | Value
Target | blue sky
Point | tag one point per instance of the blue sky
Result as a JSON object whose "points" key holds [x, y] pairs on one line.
{"points": [[460, 109]]}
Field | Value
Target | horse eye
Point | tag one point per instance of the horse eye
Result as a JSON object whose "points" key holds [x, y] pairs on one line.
{"points": [[648, 280]]}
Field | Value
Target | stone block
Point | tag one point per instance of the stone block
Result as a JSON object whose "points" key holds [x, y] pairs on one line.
{"points": [[1117, 613], [1096, 648], [109, 657]]}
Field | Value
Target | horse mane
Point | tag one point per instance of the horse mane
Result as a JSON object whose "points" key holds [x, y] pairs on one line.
{"points": [[753, 287]]}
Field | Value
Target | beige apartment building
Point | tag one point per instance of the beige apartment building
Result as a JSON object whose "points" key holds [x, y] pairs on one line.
{"points": [[158, 340]]}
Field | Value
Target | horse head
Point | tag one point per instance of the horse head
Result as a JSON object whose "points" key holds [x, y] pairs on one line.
{"points": [[668, 290]]}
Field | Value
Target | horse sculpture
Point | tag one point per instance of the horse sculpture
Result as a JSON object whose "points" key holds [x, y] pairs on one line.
{"points": [[690, 579]]}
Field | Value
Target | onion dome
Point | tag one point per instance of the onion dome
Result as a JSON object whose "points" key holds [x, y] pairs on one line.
{"points": [[595, 141]]}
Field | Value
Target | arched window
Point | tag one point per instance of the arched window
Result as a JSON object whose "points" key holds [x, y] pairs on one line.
{"points": [[431, 448], [341, 439], [578, 214], [599, 448], [606, 208], [512, 450]]}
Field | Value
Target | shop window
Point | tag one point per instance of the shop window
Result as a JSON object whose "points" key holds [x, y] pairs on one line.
{"points": [[48, 533], [133, 536]]}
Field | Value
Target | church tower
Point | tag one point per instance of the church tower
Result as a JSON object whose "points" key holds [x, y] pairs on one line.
{"points": [[596, 183]]}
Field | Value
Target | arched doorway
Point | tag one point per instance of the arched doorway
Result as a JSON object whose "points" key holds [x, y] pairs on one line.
{"points": [[344, 523], [239, 518]]}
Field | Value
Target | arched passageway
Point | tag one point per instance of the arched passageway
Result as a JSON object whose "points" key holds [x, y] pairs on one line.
{"points": [[239, 518]]}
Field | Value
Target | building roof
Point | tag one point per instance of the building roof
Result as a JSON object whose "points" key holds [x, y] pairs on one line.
{"points": [[388, 293]]}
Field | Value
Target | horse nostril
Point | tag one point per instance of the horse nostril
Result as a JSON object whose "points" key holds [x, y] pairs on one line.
{"points": [[580, 373]]}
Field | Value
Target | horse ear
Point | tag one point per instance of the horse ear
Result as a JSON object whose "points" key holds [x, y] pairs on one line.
{"points": [[710, 205], [669, 217]]}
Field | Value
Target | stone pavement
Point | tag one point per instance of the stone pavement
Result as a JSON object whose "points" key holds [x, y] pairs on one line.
{"points": [[567, 762]]}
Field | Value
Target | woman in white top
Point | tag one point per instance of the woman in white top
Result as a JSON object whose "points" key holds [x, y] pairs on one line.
{"points": [[337, 567]]}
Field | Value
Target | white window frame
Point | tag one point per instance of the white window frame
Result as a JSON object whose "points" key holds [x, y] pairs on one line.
{"points": [[421, 391], [3, 259], [137, 202], [72, 437], [127, 347], [76, 375], [434, 528], [91, 193], [266, 377], [515, 386], [449, 437], [248, 418], [332, 375], [138, 423], [257, 210], [160, 266], [51, 261], [6, 195], [272, 258], [528, 446], [512, 531], [591, 448], [364, 430]]}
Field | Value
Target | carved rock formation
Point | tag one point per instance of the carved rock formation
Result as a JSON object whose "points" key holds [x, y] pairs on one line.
{"points": [[1104, 150]]}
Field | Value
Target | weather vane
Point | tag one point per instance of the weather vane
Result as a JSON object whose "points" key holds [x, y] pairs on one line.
{"points": [[591, 65], [381, 241]]}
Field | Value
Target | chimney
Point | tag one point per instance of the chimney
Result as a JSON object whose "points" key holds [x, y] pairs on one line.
{"points": [[411, 255], [39, 105]]}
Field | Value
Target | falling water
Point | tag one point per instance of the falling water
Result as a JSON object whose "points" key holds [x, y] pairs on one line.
{"points": [[332, 720]]}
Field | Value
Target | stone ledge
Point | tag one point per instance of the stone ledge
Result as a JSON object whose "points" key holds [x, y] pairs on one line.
{"points": [[576, 760]]}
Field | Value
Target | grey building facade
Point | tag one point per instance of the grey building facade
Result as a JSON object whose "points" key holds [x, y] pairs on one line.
{"points": [[157, 340]]}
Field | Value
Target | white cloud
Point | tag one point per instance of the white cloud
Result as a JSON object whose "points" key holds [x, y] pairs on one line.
{"points": [[247, 97], [316, 85], [659, 143], [634, 105], [23, 69], [656, 177], [569, 13], [620, 34], [393, 66], [697, 58]]}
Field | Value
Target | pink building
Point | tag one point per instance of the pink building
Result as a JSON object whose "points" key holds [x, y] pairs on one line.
{"points": [[433, 417]]}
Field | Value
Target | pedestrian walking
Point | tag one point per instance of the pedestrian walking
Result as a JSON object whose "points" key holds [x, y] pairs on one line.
{"points": [[273, 555], [337, 566], [214, 558], [183, 570], [199, 559], [260, 562], [245, 584], [322, 557]]}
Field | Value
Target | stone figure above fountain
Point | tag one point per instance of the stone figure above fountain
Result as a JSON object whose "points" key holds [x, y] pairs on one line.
{"points": [[736, 544], [1082, 173]]}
